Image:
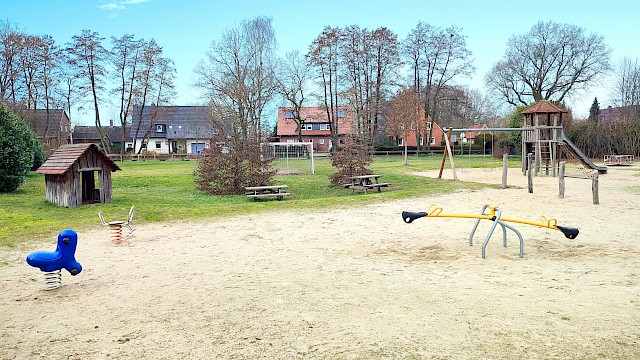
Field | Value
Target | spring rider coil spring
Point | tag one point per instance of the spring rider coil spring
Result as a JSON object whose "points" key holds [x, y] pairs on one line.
{"points": [[115, 227], [51, 262], [52, 280], [116, 234]]}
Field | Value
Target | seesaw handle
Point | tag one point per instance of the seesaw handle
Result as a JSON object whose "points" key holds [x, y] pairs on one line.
{"points": [[568, 232], [409, 216]]}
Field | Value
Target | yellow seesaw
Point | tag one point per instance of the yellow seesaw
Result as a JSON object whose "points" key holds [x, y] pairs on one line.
{"points": [[495, 215]]}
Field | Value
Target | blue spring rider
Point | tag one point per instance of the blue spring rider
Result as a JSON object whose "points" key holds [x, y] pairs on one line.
{"points": [[62, 258]]}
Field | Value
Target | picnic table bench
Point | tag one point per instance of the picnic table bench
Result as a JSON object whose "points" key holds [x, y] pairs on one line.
{"points": [[365, 182], [266, 192]]}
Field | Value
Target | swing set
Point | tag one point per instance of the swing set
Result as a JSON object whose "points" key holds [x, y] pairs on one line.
{"points": [[448, 146], [495, 215]]}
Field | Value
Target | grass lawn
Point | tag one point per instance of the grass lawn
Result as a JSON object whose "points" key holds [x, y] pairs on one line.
{"points": [[165, 191]]}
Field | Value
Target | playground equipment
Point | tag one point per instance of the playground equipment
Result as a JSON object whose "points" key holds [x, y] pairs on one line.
{"points": [[116, 226], [495, 215], [542, 135], [62, 258]]}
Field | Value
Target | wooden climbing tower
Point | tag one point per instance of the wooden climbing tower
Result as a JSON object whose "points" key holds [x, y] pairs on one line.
{"points": [[542, 135]]}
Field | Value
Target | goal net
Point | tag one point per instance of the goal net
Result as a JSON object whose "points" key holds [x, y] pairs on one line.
{"points": [[290, 157]]}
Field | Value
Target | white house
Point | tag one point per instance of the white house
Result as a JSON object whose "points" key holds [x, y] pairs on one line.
{"points": [[172, 129]]}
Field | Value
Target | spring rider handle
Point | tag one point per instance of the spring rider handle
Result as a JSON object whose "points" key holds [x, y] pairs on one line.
{"points": [[409, 216]]}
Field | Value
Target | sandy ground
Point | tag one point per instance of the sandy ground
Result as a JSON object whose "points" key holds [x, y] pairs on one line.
{"points": [[348, 283]]}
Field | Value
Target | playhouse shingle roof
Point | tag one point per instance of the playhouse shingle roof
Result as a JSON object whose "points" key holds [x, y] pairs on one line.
{"points": [[66, 155], [543, 107]]}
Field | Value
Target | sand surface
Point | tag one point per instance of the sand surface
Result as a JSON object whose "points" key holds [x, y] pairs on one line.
{"points": [[348, 283]]}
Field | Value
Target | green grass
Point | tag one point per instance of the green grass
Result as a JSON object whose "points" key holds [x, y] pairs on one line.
{"points": [[165, 191]]}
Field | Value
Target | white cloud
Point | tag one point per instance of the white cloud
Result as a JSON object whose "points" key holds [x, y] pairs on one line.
{"points": [[121, 5], [112, 6]]}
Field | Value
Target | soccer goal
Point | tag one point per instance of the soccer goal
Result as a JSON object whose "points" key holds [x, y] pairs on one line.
{"points": [[290, 157]]}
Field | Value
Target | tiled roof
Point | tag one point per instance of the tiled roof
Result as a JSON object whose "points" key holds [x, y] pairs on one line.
{"points": [[311, 114], [543, 107], [66, 155], [114, 133], [37, 120], [181, 122]]}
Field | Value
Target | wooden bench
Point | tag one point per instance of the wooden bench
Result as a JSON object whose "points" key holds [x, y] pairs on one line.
{"points": [[365, 182], [266, 192]]}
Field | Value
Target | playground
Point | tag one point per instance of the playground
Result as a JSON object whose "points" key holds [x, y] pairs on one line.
{"points": [[348, 283]]}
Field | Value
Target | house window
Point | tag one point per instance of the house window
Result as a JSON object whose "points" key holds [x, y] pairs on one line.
{"points": [[421, 141], [428, 126], [341, 113], [321, 141], [401, 127], [160, 128], [289, 114], [325, 127], [400, 141], [432, 141], [307, 126], [158, 144]]}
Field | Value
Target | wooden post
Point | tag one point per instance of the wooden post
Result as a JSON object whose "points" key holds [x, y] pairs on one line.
{"points": [[447, 140], [561, 179], [505, 167], [530, 172], [594, 187]]}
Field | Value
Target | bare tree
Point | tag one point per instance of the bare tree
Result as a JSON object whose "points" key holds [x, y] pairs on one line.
{"points": [[368, 58], [87, 54], [549, 62], [626, 93], [127, 58], [10, 46], [48, 56], [238, 77], [442, 57], [153, 85], [404, 115], [323, 56], [292, 80]]}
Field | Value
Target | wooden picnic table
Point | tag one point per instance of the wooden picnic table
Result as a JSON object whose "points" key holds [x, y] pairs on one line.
{"points": [[266, 192], [365, 182]]}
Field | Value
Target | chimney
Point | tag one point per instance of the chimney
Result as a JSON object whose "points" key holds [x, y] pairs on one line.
{"points": [[111, 122]]}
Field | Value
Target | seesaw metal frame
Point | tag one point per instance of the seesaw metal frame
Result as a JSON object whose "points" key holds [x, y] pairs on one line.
{"points": [[495, 215]]}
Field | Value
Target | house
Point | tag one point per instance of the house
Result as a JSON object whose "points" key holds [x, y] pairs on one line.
{"points": [[611, 114], [412, 140], [172, 129], [78, 174], [90, 135], [52, 127], [314, 128], [471, 135]]}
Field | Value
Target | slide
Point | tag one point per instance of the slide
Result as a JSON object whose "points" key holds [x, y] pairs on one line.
{"points": [[583, 158]]}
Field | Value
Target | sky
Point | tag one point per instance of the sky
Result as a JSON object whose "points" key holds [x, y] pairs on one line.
{"points": [[186, 28]]}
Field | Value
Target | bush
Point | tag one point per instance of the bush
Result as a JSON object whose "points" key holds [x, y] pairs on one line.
{"points": [[17, 147], [351, 160], [229, 173]]}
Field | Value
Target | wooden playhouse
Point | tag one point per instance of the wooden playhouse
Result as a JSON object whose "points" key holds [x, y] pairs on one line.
{"points": [[78, 174]]}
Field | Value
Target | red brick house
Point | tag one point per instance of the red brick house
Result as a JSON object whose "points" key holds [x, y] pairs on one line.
{"points": [[315, 126], [411, 140]]}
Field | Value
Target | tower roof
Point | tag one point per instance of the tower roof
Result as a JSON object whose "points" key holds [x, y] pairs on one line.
{"points": [[543, 107]]}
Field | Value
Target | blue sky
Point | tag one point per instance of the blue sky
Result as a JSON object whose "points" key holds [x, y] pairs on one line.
{"points": [[185, 28]]}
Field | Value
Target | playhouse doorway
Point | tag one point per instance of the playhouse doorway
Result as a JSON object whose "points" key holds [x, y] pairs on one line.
{"points": [[90, 192]]}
